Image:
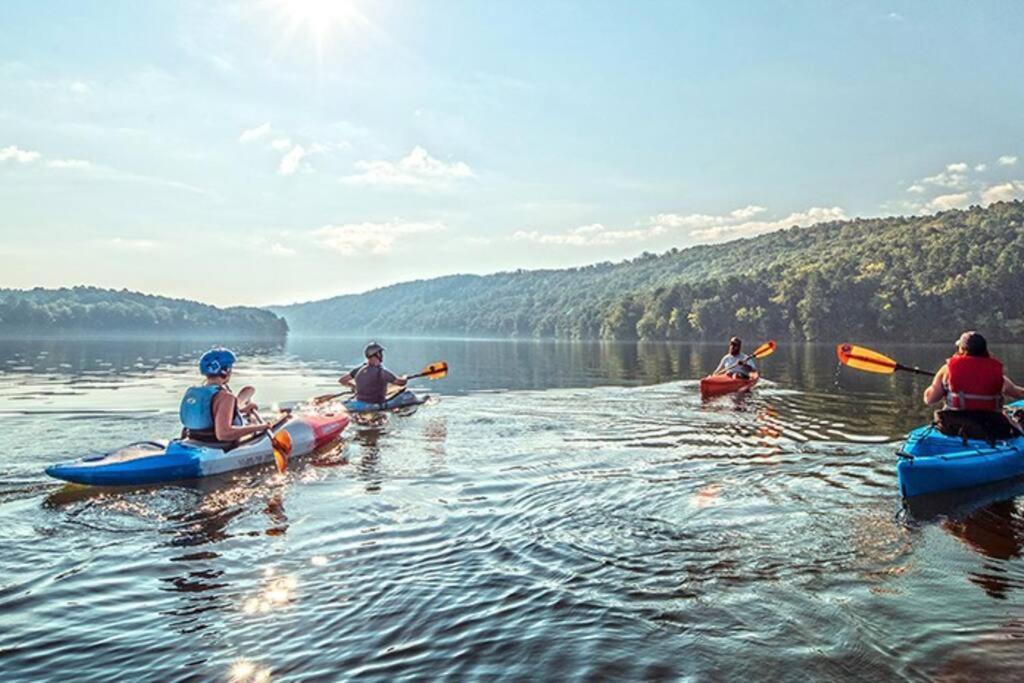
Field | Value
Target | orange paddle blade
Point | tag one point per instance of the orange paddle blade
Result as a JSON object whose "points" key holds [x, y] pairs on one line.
{"points": [[282, 443], [861, 358], [766, 349], [435, 370]]}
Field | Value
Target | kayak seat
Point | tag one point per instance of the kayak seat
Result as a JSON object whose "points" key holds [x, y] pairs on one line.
{"points": [[982, 425]]}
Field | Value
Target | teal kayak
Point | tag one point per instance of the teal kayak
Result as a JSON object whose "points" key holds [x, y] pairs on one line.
{"points": [[930, 461], [403, 399]]}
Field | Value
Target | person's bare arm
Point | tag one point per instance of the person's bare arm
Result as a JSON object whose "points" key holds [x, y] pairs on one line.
{"points": [[223, 416], [1011, 390], [936, 391], [348, 380]]}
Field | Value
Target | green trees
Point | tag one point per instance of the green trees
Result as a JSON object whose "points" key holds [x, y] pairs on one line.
{"points": [[897, 278], [94, 311]]}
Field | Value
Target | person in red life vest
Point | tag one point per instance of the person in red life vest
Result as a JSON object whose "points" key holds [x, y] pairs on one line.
{"points": [[972, 379]]}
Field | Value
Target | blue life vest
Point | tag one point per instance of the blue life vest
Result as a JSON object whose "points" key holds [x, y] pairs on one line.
{"points": [[196, 410]]}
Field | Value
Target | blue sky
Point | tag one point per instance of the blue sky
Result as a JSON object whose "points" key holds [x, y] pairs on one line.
{"points": [[282, 150]]}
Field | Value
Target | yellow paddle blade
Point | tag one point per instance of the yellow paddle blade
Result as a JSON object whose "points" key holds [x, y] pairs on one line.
{"points": [[860, 358], [766, 349]]}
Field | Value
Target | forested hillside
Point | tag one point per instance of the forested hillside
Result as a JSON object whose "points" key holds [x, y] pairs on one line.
{"points": [[897, 278], [94, 311]]}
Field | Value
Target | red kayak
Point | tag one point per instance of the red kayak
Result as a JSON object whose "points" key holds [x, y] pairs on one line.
{"points": [[719, 385]]}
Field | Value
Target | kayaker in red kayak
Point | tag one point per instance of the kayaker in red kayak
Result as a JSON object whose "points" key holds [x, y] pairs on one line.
{"points": [[734, 364], [972, 379], [371, 379], [210, 412]]}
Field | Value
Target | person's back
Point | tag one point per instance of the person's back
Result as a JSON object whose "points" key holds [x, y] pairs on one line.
{"points": [[974, 383], [372, 383], [209, 412], [371, 379], [971, 380]]}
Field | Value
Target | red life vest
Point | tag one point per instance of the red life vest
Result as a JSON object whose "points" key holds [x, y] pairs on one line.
{"points": [[975, 383]]}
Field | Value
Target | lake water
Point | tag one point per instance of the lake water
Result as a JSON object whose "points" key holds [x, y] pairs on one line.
{"points": [[561, 511]]}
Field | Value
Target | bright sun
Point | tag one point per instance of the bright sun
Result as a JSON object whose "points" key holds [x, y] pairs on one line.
{"points": [[321, 21]]}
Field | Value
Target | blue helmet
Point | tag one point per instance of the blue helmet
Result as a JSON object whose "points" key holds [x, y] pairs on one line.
{"points": [[216, 362]]}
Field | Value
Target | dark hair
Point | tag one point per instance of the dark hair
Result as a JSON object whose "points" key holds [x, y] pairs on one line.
{"points": [[973, 344]]}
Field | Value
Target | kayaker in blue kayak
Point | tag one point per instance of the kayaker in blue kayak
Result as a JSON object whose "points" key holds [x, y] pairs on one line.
{"points": [[210, 412], [371, 379], [734, 364], [972, 379]]}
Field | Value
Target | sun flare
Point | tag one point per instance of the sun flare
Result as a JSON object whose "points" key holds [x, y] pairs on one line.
{"points": [[322, 22]]}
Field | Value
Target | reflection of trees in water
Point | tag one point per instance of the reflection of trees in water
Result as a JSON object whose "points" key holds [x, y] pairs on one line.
{"points": [[115, 356]]}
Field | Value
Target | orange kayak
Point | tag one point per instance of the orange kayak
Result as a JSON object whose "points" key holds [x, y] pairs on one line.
{"points": [[719, 385]]}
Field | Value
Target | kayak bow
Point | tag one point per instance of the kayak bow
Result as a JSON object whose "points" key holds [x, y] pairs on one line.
{"points": [[719, 385]]}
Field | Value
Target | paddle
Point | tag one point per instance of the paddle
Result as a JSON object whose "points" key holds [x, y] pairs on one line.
{"points": [[766, 349], [861, 358], [438, 370], [281, 442]]}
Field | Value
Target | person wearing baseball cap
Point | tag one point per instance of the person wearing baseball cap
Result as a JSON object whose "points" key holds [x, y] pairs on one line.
{"points": [[972, 379], [734, 364]]}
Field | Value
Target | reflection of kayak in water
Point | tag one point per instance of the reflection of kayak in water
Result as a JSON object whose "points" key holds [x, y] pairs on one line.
{"points": [[931, 461], [986, 520], [719, 385], [154, 462], [402, 399]]}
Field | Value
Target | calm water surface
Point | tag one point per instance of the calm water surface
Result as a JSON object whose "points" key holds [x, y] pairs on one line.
{"points": [[562, 511]]}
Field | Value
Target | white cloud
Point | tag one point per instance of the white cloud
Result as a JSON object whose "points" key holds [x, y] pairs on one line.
{"points": [[953, 177], [1007, 160], [815, 214], [291, 161], [916, 189], [281, 144], [694, 227], [1005, 192], [375, 238], [254, 134], [704, 221], [278, 249], [895, 16], [980, 167], [70, 163], [417, 169], [15, 153], [133, 244], [946, 202], [591, 235], [80, 88]]}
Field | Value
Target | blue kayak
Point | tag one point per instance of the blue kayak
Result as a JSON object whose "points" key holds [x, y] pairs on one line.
{"points": [[402, 399], [931, 461], [156, 462]]}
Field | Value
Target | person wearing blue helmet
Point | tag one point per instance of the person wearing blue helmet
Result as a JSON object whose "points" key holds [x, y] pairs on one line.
{"points": [[210, 412], [371, 379]]}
